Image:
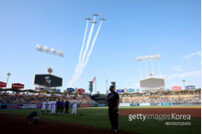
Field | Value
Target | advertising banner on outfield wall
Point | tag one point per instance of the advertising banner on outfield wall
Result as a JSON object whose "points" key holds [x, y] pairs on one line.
{"points": [[101, 105], [166, 104], [29, 106], [186, 103], [144, 104], [134, 104], [84, 105], [154, 104], [124, 104]]}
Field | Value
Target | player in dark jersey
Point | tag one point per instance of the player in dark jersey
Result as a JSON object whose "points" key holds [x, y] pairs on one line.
{"points": [[66, 106], [61, 106], [113, 103]]}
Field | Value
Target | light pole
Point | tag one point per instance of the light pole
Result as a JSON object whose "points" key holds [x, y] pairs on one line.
{"points": [[184, 83], [47, 50], [8, 74]]}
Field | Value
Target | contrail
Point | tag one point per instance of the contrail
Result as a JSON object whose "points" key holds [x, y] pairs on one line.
{"points": [[84, 60], [88, 42], [91, 49], [89, 53], [81, 52], [79, 66], [83, 44]]}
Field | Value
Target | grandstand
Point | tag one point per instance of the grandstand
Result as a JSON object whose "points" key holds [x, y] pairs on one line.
{"points": [[22, 99], [185, 97]]}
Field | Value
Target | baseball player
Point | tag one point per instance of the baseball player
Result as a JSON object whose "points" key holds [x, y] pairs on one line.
{"points": [[53, 106], [43, 106], [58, 106], [62, 107], [74, 107], [67, 106], [49, 106]]}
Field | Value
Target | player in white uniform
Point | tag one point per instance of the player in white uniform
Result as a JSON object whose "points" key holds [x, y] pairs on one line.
{"points": [[43, 106], [74, 107], [53, 107], [49, 106]]}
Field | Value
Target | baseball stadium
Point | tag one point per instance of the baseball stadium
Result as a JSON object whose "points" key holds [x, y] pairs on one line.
{"points": [[144, 58], [92, 117]]}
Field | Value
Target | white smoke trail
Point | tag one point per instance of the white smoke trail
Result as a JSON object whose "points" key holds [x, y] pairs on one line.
{"points": [[84, 61], [88, 41], [89, 53], [81, 52], [81, 61], [83, 44], [91, 49]]}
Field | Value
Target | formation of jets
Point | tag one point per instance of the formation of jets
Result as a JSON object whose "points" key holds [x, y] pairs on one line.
{"points": [[95, 21], [95, 15], [88, 18], [103, 19]]}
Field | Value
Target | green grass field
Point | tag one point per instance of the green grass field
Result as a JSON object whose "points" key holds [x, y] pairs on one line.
{"points": [[98, 117]]}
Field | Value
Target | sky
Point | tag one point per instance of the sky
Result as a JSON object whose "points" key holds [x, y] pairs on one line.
{"points": [[171, 28]]}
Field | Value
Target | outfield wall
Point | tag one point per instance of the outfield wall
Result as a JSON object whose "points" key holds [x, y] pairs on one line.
{"points": [[160, 104], [27, 106], [19, 106]]}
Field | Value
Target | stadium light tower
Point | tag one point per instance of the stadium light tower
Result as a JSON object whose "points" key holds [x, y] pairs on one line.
{"points": [[47, 50], [8, 75], [90, 87], [146, 59]]}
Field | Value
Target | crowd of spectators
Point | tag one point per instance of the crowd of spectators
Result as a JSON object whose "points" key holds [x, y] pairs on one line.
{"points": [[162, 98], [17, 98], [21, 98]]}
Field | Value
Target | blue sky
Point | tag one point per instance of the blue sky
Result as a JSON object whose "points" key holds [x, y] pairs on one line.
{"points": [[133, 28]]}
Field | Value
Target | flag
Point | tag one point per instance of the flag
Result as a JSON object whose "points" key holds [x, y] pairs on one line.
{"points": [[94, 79]]}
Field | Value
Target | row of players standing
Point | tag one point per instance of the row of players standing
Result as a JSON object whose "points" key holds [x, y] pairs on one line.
{"points": [[53, 106]]}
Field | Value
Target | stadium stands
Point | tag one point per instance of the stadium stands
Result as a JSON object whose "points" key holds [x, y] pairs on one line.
{"points": [[155, 98], [20, 99], [176, 98]]}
